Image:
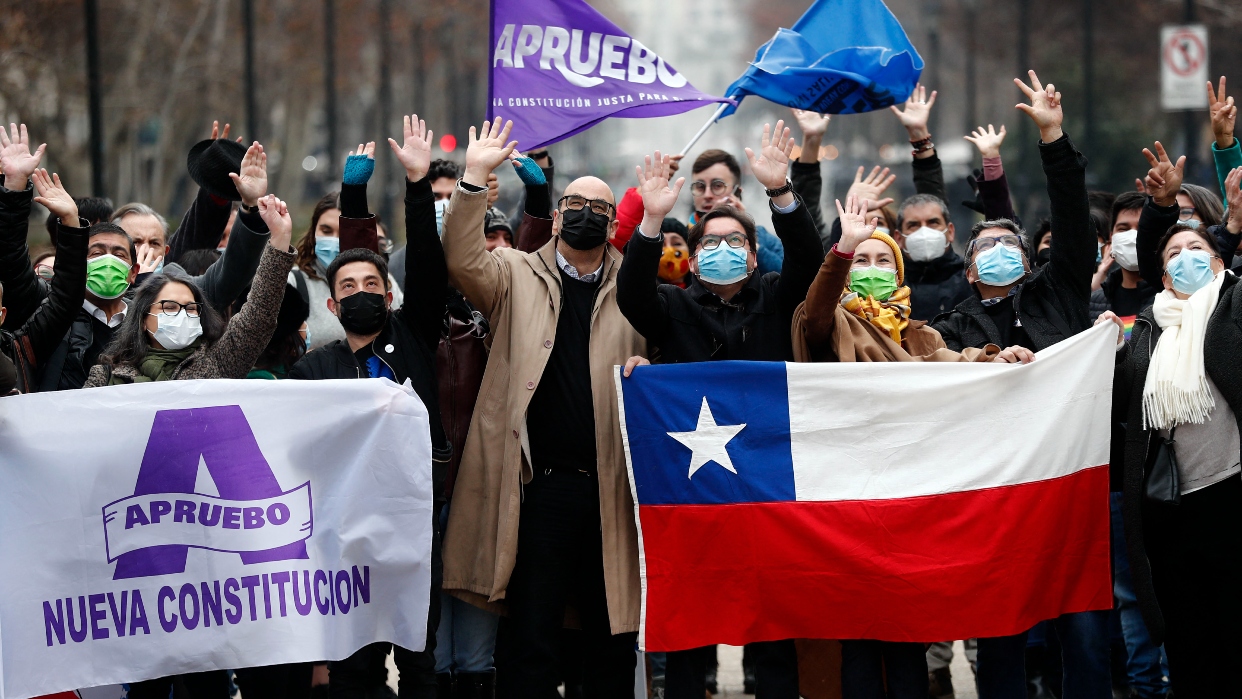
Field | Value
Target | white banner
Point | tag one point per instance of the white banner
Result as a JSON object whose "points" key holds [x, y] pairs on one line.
{"points": [[1183, 67], [164, 528]]}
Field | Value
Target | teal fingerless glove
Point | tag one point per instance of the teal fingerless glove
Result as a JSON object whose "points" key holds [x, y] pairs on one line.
{"points": [[529, 171], [358, 169]]}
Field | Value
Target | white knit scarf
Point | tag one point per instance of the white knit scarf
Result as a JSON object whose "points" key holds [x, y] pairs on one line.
{"points": [[1176, 390]]}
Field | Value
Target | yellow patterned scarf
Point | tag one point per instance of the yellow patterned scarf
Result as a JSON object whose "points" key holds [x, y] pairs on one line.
{"points": [[891, 316]]}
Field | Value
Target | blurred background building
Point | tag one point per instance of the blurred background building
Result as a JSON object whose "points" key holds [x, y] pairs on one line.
{"points": [[326, 75]]}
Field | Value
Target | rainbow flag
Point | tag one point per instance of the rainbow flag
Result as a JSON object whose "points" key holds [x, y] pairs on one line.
{"points": [[1128, 322]]}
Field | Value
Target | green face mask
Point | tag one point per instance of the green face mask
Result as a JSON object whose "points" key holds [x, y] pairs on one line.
{"points": [[875, 282], [107, 276]]}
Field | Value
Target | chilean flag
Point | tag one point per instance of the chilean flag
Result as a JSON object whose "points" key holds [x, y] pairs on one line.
{"points": [[893, 501]]}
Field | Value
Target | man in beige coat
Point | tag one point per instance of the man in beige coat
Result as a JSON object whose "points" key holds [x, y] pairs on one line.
{"points": [[542, 517]]}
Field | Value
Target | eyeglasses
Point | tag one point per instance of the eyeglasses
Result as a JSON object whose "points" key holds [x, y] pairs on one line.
{"points": [[733, 240], [172, 308], [573, 202], [984, 244], [719, 187], [44, 271], [1185, 213]]}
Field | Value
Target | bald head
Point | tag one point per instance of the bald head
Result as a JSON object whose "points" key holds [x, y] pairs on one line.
{"points": [[591, 188]]}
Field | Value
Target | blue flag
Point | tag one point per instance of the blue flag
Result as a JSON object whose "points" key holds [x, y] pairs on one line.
{"points": [[840, 57]]}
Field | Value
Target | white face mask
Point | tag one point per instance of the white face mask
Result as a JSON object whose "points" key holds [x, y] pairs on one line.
{"points": [[440, 207], [1125, 249], [925, 244], [176, 332]]}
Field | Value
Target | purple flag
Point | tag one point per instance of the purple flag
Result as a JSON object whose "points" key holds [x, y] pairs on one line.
{"points": [[559, 67]]}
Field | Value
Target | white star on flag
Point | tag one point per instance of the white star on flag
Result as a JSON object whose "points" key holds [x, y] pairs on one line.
{"points": [[707, 441]]}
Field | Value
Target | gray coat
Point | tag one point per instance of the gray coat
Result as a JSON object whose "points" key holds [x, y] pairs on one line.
{"points": [[244, 339]]}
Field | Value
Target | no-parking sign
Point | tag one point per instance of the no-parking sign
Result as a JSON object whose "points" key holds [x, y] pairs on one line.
{"points": [[1183, 66]]}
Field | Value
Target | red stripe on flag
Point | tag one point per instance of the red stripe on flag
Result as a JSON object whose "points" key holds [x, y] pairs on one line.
{"points": [[984, 563]]}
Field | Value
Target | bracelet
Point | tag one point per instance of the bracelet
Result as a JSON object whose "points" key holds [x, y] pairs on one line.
{"points": [[249, 209], [841, 254], [922, 145], [785, 189]]}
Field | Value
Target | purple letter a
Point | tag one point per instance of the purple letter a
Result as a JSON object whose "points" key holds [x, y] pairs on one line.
{"points": [[222, 437]]}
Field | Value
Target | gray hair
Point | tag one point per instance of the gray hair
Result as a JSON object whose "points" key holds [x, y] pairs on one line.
{"points": [[919, 199], [1008, 225], [140, 209]]}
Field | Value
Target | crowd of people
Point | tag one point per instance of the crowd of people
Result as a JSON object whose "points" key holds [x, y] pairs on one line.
{"points": [[510, 335]]}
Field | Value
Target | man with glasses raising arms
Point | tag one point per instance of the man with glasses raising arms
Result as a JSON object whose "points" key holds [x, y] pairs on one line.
{"points": [[542, 518], [1014, 305], [728, 311]]}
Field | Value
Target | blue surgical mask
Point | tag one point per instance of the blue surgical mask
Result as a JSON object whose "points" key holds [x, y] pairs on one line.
{"points": [[1190, 271], [1192, 222], [326, 249], [722, 265], [440, 208], [1000, 265]]}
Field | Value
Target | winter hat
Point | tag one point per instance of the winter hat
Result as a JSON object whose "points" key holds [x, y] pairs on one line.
{"points": [[901, 264], [210, 163], [494, 219]]}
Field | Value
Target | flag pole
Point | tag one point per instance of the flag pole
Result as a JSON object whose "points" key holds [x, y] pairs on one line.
{"points": [[715, 116]]}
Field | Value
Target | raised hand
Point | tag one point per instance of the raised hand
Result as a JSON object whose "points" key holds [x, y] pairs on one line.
{"points": [[1224, 114], [1044, 109], [52, 196], [367, 149], [1165, 177], [415, 154], [149, 258], [659, 197], [251, 182], [872, 187], [918, 110], [987, 141], [487, 150], [17, 163], [812, 123], [855, 228], [771, 166], [275, 213], [1233, 197]]}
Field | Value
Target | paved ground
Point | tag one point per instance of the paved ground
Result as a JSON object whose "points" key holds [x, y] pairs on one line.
{"points": [[729, 676]]}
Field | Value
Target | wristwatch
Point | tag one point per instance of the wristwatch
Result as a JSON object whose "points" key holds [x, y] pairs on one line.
{"points": [[249, 209], [774, 193]]}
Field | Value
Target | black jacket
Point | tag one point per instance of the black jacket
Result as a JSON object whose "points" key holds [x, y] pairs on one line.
{"points": [[1053, 302], [1220, 361], [937, 286], [808, 184], [44, 317], [695, 325], [407, 344], [1102, 298]]}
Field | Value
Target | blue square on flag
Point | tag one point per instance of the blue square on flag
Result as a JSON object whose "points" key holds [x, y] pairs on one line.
{"points": [[710, 433]]}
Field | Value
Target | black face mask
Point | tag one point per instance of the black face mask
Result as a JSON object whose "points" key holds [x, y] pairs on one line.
{"points": [[1042, 257], [363, 313], [584, 229]]}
